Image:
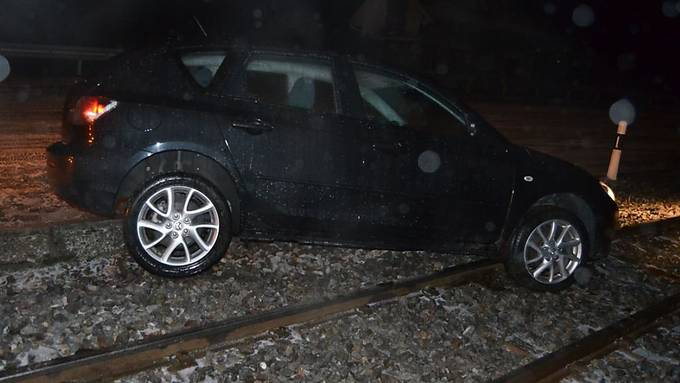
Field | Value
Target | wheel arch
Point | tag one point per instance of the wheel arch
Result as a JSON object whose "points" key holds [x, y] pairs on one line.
{"points": [[181, 162], [566, 200]]}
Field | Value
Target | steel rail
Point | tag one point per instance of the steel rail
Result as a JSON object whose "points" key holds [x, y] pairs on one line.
{"points": [[561, 363], [128, 359]]}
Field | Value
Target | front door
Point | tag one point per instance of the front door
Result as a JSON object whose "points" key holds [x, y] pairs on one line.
{"points": [[441, 181]]}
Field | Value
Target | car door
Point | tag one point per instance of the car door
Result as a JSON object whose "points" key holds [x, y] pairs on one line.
{"points": [[288, 142], [442, 184]]}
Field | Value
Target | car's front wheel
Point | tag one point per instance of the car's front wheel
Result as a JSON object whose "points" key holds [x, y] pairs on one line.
{"points": [[177, 226], [547, 249]]}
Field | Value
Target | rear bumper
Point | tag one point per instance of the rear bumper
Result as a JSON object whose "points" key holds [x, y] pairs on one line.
{"points": [[75, 179]]}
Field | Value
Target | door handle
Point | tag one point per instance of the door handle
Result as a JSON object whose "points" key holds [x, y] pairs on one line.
{"points": [[256, 126]]}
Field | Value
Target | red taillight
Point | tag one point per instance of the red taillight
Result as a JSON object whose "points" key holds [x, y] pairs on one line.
{"points": [[89, 109]]}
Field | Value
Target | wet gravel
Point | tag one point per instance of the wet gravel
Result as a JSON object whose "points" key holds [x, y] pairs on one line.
{"points": [[25, 195], [654, 357], [657, 253], [468, 334], [102, 299], [647, 197]]}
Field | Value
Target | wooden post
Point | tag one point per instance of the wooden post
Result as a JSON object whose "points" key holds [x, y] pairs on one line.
{"points": [[615, 160]]}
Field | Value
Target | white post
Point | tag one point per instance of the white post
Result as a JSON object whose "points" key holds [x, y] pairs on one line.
{"points": [[615, 160]]}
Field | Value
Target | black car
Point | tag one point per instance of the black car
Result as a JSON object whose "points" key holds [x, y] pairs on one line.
{"points": [[193, 145]]}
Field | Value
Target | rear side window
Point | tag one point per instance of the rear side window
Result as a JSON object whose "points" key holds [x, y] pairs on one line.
{"points": [[203, 66], [293, 82]]}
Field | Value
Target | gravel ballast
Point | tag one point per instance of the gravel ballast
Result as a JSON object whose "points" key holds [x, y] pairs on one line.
{"points": [[104, 300]]}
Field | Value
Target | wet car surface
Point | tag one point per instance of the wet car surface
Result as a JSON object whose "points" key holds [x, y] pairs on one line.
{"points": [[194, 145]]}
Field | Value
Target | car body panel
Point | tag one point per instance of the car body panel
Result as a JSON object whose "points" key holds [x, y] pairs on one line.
{"points": [[334, 178]]}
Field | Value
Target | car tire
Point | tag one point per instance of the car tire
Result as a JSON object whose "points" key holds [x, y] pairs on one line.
{"points": [[547, 248], [181, 241]]}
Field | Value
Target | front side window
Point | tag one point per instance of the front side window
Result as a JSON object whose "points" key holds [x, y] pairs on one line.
{"points": [[393, 101], [203, 66], [291, 82]]}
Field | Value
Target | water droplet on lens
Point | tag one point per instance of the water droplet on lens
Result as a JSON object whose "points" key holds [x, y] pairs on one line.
{"points": [[4, 68], [550, 8], [622, 110], [23, 94], [583, 16], [670, 9], [626, 62], [429, 161], [404, 208]]}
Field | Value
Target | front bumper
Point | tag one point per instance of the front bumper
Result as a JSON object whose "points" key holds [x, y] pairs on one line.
{"points": [[606, 230], [74, 178]]}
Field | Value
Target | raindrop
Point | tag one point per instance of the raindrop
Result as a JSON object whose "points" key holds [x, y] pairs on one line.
{"points": [[23, 94], [258, 24], [257, 13], [404, 208], [442, 68], [549, 8], [4, 68], [626, 62], [429, 161], [670, 9], [583, 16], [622, 110]]}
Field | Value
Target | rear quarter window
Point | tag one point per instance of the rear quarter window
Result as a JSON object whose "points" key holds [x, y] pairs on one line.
{"points": [[203, 66]]}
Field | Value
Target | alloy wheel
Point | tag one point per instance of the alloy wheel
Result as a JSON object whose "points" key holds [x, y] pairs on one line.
{"points": [[178, 226], [553, 251]]}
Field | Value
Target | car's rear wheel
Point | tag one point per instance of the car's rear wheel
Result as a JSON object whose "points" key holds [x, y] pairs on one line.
{"points": [[178, 226], [547, 249]]}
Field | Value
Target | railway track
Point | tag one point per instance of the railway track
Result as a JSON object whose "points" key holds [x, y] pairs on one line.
{"points": [[128, 359], [155, 352], [561, 363], [125, 360]]}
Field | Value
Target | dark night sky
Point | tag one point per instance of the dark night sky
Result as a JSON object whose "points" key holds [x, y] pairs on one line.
{"points": [[637, 28], [632, 37]]}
